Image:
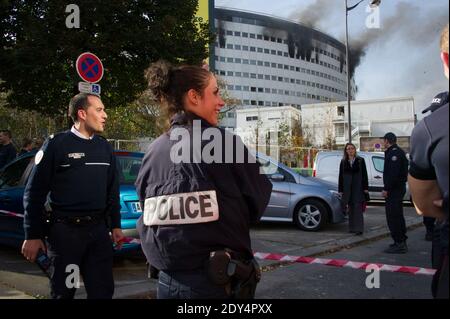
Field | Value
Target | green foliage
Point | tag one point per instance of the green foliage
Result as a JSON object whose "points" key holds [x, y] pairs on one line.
{"points": [[38, 52]]}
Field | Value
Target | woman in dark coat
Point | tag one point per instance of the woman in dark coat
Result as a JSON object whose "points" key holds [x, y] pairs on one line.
{"points": [[353, 186]]}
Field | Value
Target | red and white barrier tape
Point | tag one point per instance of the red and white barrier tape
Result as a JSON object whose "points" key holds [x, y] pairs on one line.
{"points": [[8, 213], [345, 263]]}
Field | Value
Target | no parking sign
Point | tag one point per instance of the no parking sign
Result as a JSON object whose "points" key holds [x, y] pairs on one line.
{"points": [[89, 67]]}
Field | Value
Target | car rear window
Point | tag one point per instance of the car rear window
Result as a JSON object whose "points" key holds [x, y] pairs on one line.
{"points": [[128, 168]]}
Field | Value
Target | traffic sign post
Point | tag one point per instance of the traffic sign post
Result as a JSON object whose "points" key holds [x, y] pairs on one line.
{"points": [[90, 69], [89, 88]]}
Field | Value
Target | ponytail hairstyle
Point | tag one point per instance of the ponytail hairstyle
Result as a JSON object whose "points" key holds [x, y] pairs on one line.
{"points": [[169, 84]]}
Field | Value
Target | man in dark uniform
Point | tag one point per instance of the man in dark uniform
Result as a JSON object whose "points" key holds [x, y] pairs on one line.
{"points": [[395, 177], [439, 100], [428, 177], [75, 175], [7, 150]]}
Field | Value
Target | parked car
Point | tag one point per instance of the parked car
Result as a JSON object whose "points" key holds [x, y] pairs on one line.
{"points": [[307, 201], [326, 167], [13, 179]]}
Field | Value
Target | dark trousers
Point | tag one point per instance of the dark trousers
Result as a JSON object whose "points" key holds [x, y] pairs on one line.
{"points": [[87, 248], [394, 213], [429, 224], [192, 284], [355, 217]]}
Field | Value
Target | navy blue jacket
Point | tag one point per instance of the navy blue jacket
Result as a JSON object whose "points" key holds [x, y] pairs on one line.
{"points": [[242, 196], [395, 168], [78, 177]]}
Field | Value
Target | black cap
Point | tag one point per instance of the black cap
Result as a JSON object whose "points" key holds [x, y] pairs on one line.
{"points": [[391, 137], [438, 101]]}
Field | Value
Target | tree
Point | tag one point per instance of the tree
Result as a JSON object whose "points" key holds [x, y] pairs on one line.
{"points": [[38, 52]]}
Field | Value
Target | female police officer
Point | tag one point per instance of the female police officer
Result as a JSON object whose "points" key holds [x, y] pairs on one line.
{"points": [[198, 200]]}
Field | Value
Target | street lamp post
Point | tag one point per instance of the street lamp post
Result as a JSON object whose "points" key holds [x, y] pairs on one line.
{"points": [[373, 4]]}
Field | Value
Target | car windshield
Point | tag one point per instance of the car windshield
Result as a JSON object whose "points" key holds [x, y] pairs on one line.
{"points": [[128, 168]]}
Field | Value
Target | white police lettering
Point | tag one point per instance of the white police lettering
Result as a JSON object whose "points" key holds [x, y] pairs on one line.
{"points": [[76, 155], [436, 101], [394, 158], [38, 157], [179, 209]]}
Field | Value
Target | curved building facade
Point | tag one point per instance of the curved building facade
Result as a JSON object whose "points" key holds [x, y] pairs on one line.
{"points": [[268, 61]]}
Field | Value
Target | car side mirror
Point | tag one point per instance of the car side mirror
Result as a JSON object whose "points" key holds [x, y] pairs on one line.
{"points": [[277, 177]]}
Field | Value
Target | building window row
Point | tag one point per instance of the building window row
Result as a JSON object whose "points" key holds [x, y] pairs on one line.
{"points": [[274, 78], [284, 66], [275, 91], [278, 40]]}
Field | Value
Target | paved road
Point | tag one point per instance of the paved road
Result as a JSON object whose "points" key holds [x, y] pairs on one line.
{"points": [[323, 282], [19, 278]]}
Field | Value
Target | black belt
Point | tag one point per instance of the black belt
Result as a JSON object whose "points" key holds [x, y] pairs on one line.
{"points": [[78, 220]]}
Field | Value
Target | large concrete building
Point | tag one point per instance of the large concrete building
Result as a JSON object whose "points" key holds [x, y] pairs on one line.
{"points": [[371, 118], [323, 122], [271, 62]]}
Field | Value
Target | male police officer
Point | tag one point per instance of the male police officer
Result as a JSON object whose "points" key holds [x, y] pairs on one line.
{"points": [[75, 172], [439, 100], [428, 176], [395, 176]]}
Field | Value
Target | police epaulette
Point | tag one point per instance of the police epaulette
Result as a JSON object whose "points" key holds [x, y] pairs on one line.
{"points": [[56, 135]]}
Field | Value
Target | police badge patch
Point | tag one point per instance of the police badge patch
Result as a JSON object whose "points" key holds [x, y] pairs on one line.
{"points": [[394, 158], [38, 157], [76, 155]]}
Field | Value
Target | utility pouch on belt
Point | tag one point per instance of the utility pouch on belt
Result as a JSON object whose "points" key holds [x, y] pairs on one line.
{"points": [[217, 267]]}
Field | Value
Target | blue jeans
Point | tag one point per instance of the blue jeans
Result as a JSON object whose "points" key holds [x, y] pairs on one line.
{"points": [[191, 284]]}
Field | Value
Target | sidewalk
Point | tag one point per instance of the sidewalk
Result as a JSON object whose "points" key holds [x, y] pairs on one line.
{"points": [[7, 292]]}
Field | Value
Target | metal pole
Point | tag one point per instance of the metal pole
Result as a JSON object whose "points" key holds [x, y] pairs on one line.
{"points": [[348, 75]]}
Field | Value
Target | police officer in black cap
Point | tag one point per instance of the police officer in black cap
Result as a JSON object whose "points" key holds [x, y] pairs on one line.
{"points": [[438, 101], [201, 190], [429, 176], [395, 177], [75, 177]]}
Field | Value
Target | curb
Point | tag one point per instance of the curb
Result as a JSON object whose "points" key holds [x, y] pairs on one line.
{"points": [[342, 244]]}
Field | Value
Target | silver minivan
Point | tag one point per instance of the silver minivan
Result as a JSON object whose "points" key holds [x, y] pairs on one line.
{"points": [[326, 167]]}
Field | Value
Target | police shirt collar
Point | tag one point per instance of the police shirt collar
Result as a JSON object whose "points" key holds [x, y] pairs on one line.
{"points": [[77, 133]]}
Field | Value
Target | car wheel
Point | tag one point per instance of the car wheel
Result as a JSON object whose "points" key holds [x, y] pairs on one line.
{"points": [[311, 215]]}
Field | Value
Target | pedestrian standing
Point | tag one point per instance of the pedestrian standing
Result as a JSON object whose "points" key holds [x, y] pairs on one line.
{"points": [[198, 210], [428, 176], [7, 149], [395, 177], [353, 187], [75, 175]]}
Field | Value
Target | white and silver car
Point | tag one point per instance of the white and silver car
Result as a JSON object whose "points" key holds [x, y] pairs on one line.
{"points": [[326, 167], [307, 201]]}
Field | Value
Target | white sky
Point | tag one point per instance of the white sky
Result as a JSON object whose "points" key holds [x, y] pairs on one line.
{"points": [[404, 58]]}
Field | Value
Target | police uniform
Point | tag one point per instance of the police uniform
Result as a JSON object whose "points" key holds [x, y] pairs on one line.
{"points": [[395, 177], [429, 161], [77, 179], [193, 208]]}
